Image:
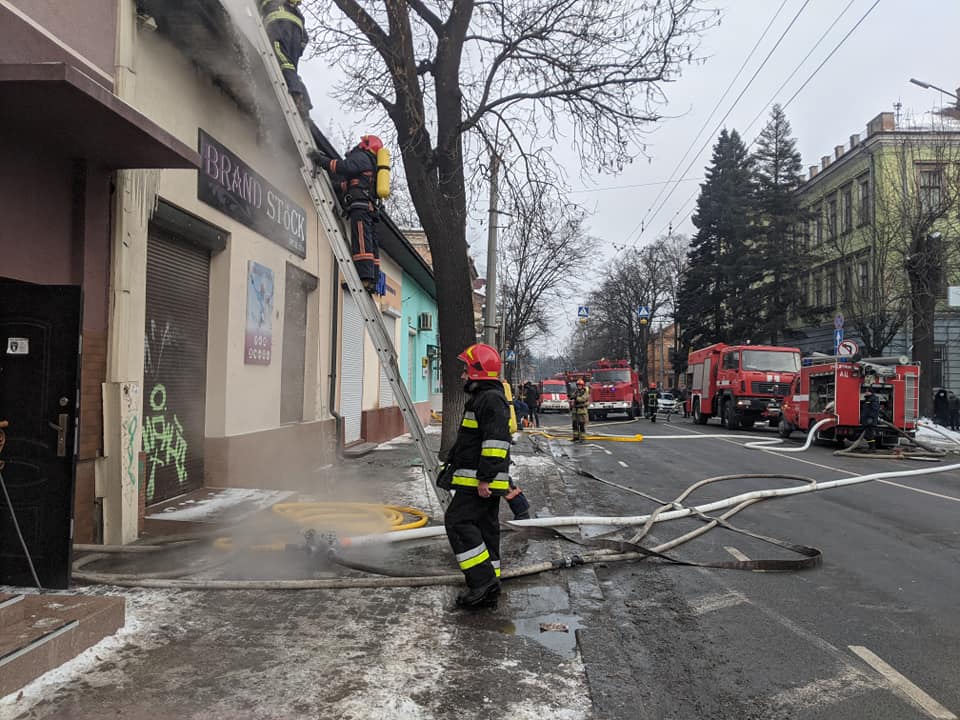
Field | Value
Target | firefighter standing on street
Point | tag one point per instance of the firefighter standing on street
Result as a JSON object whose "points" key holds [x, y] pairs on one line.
{"points": [[870, 417], [651, 398], [355, 177], [580, 410], [286, 29], [477, 470]]}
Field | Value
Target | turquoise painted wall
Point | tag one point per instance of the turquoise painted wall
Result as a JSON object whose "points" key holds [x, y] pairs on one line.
{"points": [[413, 346]]}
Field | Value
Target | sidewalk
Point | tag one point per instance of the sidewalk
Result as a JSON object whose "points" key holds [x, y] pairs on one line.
{"points": [[354, 654]]}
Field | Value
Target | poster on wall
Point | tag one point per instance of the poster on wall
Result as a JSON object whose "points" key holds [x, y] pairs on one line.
{"points": [[257, 346]]}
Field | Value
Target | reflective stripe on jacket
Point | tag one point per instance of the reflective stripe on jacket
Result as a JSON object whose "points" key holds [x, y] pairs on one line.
{"points": [[482, 450]]}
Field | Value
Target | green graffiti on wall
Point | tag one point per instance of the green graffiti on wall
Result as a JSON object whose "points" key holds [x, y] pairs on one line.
{"points": [[163, 440], [130, 428]]}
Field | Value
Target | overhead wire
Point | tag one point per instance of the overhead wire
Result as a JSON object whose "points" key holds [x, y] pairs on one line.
{"points": [[805, 82], [733, 105], [706, 122]]}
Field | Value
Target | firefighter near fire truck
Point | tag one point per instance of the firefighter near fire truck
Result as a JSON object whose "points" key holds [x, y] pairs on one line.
{"points": [[580, 410], [650, 399]]}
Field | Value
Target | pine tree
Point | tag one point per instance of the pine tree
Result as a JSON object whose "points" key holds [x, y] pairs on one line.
{"points": [[780, 222], [715, 300]]}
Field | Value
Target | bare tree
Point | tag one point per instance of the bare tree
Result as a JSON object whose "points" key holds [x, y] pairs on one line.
{"points": [[524, 70], [543, 257], [919, 191], [640, 277]]}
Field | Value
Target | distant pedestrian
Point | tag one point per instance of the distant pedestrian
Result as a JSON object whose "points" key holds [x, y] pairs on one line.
{"points": [[954, 405], [941, 407], [531, 396]]}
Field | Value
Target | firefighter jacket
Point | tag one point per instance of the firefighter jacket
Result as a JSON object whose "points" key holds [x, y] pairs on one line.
{"points": [[581, 401], [482, 449], [652, 397], [870, 410], [286, 29], [355, 177]]}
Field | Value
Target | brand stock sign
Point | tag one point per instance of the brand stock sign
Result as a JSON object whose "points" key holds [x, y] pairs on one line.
{"points": [[234, 188]]}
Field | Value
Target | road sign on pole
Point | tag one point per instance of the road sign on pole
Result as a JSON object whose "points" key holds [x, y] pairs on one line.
{"points": [[838, 321], [847, 348], [837, 339], [643, 312], [583, 311]]}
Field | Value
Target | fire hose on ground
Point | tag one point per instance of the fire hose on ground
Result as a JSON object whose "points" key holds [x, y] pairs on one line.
{"points": [[667, 511]]}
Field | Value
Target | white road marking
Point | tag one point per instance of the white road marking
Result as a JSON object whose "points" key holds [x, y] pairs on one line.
{"points": [[622, 463], [925, 492], [709, 603], [825, 691], [736, 553], [902, 686]]}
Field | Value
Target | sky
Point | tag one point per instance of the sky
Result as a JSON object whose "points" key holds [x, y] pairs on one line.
{"points": [[868, 74]]}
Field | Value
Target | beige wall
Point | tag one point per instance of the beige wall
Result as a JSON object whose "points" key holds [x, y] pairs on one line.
{"points": [[173, 94]]}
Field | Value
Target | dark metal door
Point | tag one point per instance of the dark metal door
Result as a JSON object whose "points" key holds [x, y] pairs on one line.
{"points": [[39, 369], [174, 365]]}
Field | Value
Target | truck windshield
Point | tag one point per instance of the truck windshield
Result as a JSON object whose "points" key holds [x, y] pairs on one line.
{"points": [[770, 360], [554, 387], [611, 376]]}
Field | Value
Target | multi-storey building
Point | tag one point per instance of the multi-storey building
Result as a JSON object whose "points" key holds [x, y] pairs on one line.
{"points": [[861, 204]]}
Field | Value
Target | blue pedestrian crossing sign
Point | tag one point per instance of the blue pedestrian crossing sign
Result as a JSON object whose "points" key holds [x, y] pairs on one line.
{"points": [[643, 312], [509, 356], [583, 311]]}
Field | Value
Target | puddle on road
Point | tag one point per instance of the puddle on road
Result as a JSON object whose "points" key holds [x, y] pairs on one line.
{"points": [[555, 632]]}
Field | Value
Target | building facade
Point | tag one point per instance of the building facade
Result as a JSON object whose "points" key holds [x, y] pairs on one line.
{"points": [[861, 203]]}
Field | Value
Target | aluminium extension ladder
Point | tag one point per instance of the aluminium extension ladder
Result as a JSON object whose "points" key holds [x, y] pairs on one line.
{"points": [[328, 210]]}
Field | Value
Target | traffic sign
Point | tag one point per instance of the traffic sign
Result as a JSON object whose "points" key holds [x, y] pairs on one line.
{"points": [[837, 339], [509, 356], [643, 312], [838, 321], [847, 348], [583, 311]]}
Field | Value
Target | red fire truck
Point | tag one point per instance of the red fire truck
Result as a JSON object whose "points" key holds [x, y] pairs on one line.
{"points": [[740, 384], [833, 387], [614, 388], [553, 396]]}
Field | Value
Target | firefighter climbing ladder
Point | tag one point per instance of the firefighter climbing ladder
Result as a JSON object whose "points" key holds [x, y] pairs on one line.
{"points": [[328, 210]]}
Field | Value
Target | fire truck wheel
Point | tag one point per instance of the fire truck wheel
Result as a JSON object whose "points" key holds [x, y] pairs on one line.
{"points": [[698, 417], [729, 416], [784, 429]]}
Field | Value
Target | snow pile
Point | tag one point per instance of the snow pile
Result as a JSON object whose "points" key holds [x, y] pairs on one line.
{"points": [[215, 505]]}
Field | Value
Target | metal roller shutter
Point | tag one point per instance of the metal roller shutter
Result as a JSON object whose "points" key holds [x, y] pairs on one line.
{"points": [[351, 370], [175, 365], [386, 392]]}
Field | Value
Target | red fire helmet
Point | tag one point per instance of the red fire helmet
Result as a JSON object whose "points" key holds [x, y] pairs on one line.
{"points": [[483, 362], [371, 143]]}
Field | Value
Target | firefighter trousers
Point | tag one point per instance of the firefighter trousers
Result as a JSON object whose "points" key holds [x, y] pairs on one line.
{"points": [[363, 244], [579, 425], [473, 529]]}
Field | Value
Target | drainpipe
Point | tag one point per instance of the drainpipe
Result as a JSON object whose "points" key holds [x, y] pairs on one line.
{"points": [[332, 401]]}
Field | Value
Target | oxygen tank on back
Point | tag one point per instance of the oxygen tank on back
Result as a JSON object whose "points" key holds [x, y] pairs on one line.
{"points": [[383, 173]]}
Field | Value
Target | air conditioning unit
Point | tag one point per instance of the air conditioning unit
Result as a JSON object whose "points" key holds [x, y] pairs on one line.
{"points": [[425, 321]]}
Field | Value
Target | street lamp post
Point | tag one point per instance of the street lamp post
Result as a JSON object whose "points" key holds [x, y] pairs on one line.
{"points": [[954, 111]]}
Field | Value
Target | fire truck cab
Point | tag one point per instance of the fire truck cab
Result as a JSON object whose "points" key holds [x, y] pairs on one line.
{"points": [[614, 388], [833, 387], [740, 384], [553, 396]]}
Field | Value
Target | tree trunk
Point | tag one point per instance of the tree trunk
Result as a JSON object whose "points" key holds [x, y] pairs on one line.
{"points": [[923, 311]]}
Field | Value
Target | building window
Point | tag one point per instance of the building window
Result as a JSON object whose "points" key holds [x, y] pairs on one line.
{"points": [[819, 221], [848, 286], [805, 292], [936, 366], [818, 290], [832, 218], [832, 287], [848, 209], [864, 276], [930, 181], [863, 209]]}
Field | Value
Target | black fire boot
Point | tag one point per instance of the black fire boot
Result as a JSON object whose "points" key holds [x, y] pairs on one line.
{"points": [[483, 596]]}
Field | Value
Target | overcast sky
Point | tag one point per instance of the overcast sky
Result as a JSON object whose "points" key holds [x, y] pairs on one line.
{"points": [[868, 74]]}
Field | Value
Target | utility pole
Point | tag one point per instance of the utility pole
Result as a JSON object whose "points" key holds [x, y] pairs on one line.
{"points": [[490, 318]]}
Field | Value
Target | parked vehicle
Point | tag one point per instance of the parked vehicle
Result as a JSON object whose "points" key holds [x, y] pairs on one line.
{"points": [[833, 387], [553, 396], [740, 384], [667, 404], [614, 388]]}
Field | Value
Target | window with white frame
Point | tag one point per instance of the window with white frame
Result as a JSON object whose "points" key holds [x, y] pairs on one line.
{"points": [[930, 186]]}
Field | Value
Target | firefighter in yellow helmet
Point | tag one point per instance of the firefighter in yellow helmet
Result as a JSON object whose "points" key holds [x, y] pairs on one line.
{"points": [[477, 471]]}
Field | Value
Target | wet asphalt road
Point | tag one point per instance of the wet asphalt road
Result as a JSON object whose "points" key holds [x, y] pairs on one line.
{"points": [[873, 632]]}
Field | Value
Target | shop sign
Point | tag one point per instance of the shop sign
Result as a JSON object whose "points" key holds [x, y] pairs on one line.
{"points": [[258, 341], [228, 184]]}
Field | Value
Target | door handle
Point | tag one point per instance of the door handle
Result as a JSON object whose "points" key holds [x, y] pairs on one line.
{"points": [[61, 428]]}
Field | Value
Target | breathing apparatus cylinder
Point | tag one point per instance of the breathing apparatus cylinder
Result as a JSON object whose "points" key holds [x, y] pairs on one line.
{"points": [[383, 173]]}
